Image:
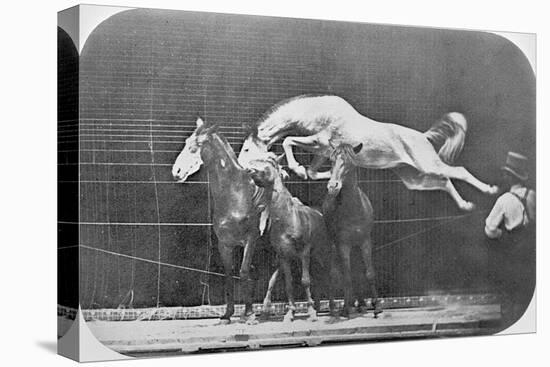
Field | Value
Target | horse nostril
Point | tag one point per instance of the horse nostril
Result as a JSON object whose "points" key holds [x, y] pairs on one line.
{"points": [[333, 187], [176, 172]]}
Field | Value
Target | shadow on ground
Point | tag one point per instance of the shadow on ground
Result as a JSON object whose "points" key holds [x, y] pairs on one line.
{"points": [[48, 345]]}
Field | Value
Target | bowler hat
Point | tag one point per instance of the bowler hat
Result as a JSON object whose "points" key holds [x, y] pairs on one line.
{"points": [[516, 165]]}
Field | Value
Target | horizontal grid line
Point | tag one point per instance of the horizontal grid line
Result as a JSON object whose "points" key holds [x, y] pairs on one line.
{"points": [[383, 221], [115, 164], [206, 182], [134, 224], [130, 119], [117, 150]]}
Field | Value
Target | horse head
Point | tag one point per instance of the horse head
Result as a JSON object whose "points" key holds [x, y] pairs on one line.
{"points": [[266, 171], [190, 160], [343, 158], [252, 149]]}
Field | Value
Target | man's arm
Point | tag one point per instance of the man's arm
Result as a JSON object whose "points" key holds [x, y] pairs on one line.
{"points": [[492, 223]]}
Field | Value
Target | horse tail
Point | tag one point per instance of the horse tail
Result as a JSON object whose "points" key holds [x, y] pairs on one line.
{"points": [[449, 133]]}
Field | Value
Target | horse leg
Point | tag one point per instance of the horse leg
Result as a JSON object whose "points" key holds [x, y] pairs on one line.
{"points": [[416, 180], [313, 172], [346, 271], [306, 283], [244, 274], [308, 142], [332, 275], [267, 299], [226, 253], [462, 204], [285, 266], [461, 173], [370, 273]]}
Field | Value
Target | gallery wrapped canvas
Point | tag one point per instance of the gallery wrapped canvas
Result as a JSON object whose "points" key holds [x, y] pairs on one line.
{"points": [[235, 182]]}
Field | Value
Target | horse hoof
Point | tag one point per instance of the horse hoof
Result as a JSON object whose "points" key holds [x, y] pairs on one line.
{"points": [[313, 175], [377, 312], [344, 314], [288, 318], [224, 322], [493, 190], [313, 317], [467, 206], [301, 172], [252, 321]]}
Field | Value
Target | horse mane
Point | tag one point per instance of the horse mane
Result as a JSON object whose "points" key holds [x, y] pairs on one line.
{"points": [[227, 148], [449, 134], [272, 160], [347, 151], [253, 127]]}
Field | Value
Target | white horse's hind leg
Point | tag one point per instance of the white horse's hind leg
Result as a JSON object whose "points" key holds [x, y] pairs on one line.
{"points": [[311, 143], [414, 180], [313, 172], [462, 173]]}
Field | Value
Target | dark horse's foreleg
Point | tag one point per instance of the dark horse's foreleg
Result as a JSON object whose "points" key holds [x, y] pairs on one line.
{"points": [[344, 252], [370, 273], [306, 283], [246, 280], [285, 267], [267, 299], [330, 278], [226, 253]]}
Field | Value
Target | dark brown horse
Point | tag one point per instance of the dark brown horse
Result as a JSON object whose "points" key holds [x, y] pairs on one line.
{"points": [[349, 217], [296, 231], [237, 204]]}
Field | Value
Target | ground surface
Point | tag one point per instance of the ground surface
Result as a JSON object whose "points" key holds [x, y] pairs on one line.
{"points": [[188, 336]]}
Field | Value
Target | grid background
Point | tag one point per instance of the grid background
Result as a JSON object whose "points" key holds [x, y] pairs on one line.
{"points": [[145, 75]]}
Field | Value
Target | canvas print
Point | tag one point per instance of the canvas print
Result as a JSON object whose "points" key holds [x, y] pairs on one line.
{"points": [[235, 182]]}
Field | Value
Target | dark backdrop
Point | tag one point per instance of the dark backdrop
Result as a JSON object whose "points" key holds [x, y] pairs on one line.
{"points": [[145, 75], [67, 187]]}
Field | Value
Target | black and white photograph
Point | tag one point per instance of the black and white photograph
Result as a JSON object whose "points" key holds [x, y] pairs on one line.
{"points": [[274, 183], [236, 182]]}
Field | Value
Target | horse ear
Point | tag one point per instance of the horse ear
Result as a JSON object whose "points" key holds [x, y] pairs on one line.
{"points": [[284, 174], [357, 148], [280, 158], [200, 122]]}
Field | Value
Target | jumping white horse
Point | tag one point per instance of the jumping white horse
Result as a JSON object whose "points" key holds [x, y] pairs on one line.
{"points": [[319, 123]]}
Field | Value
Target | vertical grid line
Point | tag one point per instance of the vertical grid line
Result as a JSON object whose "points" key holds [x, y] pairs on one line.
{"points": [[153, 166]]}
